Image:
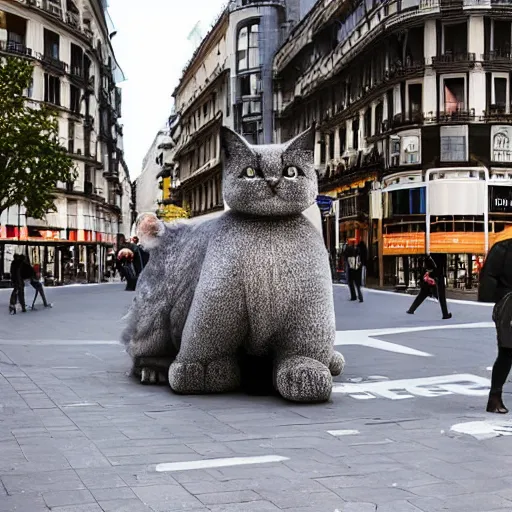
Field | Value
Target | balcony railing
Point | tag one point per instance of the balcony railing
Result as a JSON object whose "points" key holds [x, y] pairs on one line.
{"points": [[472, 4], [453, 58], [77, 72], [15, 48], [497, 55], [52, 62], [502, 3]]}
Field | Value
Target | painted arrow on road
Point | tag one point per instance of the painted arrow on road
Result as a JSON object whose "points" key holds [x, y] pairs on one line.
{"points": [[367, 337]]}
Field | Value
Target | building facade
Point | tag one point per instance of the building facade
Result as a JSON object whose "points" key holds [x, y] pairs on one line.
{"points": [[412, 105], [75, 71], [228, 82]]}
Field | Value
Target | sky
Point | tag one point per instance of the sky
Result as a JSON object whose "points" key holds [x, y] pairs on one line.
{"points": [[151, 47]]}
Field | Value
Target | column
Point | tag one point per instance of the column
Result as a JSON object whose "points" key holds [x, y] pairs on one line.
{"points": [[397, 97], [337, 146], [477, 83], [318, 138], [362, 132], [374, 118], [430, 41], [385, 107], [348, 134]]}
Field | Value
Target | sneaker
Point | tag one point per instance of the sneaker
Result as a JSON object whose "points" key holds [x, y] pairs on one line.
{"points": [[447, 317], [409, 312]]}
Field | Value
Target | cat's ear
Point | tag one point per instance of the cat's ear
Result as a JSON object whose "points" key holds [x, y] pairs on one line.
{"points": [[305, 141], [149, 229], [232, 144]]}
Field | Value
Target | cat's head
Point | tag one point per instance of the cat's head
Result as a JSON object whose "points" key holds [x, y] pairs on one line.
{"points": [[273, 180]]}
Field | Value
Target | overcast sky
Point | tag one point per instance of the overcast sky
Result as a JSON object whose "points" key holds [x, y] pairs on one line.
{"points": [[151, 47]]}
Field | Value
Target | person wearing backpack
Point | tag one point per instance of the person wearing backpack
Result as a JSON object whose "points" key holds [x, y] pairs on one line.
{"points": [[495, 286], [354, 268]]}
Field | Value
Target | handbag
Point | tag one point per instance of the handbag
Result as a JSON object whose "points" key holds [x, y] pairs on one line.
{"points": [[428, 279]]}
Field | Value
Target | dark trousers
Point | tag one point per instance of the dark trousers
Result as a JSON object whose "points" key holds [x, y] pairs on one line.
{"points": [[427, 291], [38, 287], [502, 317], [18, 295], [354, 283]]}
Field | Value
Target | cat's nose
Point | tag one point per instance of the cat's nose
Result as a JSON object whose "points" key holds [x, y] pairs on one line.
{"points": [[272, 181]]}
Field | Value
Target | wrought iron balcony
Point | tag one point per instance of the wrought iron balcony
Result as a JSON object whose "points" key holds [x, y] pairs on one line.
{"points": [[497, 55], [450, 58], [15, 48], [507, 4], [52, 62], [472, 4]]}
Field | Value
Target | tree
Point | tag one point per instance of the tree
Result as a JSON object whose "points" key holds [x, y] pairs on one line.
{"points": [[32, 161]]}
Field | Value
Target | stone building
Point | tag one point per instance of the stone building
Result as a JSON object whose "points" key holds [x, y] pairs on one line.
{"points": [[412, 104], [75, 70], [227, 82]]}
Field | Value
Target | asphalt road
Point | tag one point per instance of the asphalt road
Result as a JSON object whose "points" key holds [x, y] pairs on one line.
{"points": [[405, 430]]}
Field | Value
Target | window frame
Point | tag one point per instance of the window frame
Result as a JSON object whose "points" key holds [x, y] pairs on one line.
{"points": [[448, 129], [506, 76], [450, 76], [247, 26]]}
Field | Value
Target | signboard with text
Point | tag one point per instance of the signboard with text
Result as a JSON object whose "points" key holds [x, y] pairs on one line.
{"points": [[500, 199]]}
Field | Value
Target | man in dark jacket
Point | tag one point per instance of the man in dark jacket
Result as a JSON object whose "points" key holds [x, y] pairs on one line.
{"points": [[354, 268], [495, 285], [18, 285]]}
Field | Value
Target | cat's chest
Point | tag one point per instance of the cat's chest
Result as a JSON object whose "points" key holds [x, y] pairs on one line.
{"points": [[269, 250]]}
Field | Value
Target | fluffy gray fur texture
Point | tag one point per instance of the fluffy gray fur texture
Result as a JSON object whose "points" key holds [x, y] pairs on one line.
{"points": [[256, 277]]}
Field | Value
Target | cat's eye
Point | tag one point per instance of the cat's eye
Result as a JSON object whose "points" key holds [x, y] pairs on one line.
{"points": [[291, 172], [249, 172]]}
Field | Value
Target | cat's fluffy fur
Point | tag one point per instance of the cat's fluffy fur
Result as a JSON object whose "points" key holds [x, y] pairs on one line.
{"points": [[254, 281]]}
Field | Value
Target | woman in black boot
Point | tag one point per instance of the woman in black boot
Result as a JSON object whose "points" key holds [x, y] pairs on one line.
{"points": [[495, 285]]}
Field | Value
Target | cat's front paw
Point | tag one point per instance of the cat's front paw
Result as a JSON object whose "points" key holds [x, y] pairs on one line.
{"points": [[149, 375], [337, 364], [196, 378], [302, 379]]}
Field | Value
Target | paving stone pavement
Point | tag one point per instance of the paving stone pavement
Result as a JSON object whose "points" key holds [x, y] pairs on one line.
{"points": [[77, 434]]}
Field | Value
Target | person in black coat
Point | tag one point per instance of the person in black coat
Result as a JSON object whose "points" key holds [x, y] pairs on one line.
{"points": [[18, 285], [354, 267], [432, 285], [495, 285]]}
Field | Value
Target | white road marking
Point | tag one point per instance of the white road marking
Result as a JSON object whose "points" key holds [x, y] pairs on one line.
{"points": [[219, 463], [429, 387], [339, 433], [366, 337], [484, 429], [25, 343], [83, 404]]}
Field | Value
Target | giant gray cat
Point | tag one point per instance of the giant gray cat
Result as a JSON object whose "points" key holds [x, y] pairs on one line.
{"points": [[256, 278]]}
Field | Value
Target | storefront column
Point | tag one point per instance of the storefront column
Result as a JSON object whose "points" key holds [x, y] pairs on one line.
{"points": [[318, 159]]}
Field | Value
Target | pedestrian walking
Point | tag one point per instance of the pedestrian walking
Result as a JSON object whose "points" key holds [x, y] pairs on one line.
{"points": [[30, 276], [18, 291], [495, 285], [432, 284], [354, 268]]}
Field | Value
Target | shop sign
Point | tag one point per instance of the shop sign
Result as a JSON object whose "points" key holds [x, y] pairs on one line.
{"points": [[457, 243], [500, 199], [324, 203], [398, 244]]}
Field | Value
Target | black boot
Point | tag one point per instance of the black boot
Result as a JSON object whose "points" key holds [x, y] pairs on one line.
{"points": [[495, 403]]}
